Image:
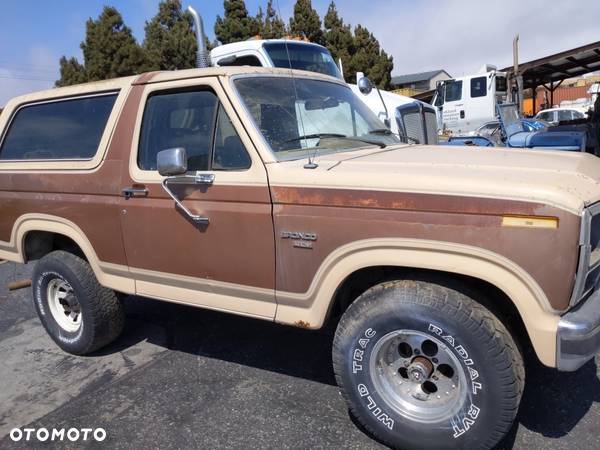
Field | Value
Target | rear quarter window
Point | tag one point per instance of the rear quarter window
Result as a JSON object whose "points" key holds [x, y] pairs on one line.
{"points": [[59, 130]]}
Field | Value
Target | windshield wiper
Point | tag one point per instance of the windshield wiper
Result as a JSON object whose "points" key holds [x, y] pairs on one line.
{"points": [[337, 136], [316, 136]]}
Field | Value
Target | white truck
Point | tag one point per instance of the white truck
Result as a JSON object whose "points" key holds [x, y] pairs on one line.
{"points": [[410, 119], [466, 103]]}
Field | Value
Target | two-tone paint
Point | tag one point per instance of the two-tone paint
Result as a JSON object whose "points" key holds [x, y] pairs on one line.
{"points": [[508, 217]]}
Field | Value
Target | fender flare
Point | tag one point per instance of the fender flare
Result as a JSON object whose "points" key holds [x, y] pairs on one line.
{"points": [[109, 275], [311, 308]]}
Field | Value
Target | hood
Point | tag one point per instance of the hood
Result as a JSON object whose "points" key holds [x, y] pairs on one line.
{"points": [[566, 180]]}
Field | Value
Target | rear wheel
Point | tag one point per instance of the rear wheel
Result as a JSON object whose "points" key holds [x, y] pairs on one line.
{"points": [[78, 313], [422, 365]]}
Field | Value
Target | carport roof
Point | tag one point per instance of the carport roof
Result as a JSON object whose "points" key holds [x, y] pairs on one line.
{"points": [[567, 64]]}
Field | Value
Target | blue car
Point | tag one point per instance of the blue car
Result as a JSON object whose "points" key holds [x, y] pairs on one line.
{"points": [[512, 131]]}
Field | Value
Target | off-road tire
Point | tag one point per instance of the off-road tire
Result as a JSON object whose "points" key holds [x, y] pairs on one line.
{"points": [[427, 306], [102, 314]]}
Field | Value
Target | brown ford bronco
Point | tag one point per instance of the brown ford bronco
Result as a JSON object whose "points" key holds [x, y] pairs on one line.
{"points": [[278, 195]]}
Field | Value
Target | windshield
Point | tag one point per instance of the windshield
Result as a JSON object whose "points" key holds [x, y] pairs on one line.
{"points": [[313, 58], [299, 114]]}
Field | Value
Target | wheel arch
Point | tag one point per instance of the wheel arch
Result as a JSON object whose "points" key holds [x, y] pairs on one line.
{"points": [[313, 307], [44, 223]]}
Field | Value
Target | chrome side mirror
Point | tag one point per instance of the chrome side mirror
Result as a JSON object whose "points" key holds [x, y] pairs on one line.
{"points": [[172, 162], [365, 86]]}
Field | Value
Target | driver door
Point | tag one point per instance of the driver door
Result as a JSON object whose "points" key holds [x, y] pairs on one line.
{"points": [[228, 264]]}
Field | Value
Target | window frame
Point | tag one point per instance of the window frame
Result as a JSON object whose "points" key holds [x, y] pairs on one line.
{"points": [[180, 91], [458, 99], [71, 163], [485, 89], [63, 100], [213, 133], [251, 175], [268, 155]]}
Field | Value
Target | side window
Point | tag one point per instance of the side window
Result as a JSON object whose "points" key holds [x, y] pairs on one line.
{"points": [[478, 87], [61, 130], [229, 151], [564, 114], [547, 116], [453, 91], [188, 120], [246, 60], [178, 119]]}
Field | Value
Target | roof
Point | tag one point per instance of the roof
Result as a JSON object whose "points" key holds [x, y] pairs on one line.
{"points": [[156, 77], [567, 64], [226, 71], [253, 44], [416, 77]]}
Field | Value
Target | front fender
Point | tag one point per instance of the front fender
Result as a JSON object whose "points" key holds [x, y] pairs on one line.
{"points": [[310, 308]]}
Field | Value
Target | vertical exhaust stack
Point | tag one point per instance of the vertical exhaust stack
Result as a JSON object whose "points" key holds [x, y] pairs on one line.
{"points": [[203, 55]]}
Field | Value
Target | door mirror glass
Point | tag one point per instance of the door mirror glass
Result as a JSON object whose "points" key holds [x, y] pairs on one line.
{"points": [[172, 162], [365, 86]]}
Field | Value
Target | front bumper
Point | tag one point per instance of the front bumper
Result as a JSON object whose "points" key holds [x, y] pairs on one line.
{"points": [[578, 335]]}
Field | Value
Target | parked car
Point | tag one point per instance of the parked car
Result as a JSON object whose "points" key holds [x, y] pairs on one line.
{"points": [[493, 130], [202, 187], [513, 132], [556, 115]]}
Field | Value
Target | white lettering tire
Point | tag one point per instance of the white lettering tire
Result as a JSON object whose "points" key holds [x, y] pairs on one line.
{"points": [[79, 314], [422, 365]]}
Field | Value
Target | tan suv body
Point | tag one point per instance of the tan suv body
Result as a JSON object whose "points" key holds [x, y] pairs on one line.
{"points": [[294, 244]]}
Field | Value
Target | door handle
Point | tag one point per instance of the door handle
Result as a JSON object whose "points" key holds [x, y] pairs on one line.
{"points": [[130, 192], [462, 114]]}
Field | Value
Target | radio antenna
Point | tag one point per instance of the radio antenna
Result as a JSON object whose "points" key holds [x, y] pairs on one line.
{"points": [[311, 164]]}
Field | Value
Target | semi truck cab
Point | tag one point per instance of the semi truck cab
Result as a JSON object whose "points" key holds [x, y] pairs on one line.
{"points": [[466, 103], [410, 119]]}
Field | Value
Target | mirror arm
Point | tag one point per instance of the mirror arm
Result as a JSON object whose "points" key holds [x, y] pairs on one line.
{"points": [[200, 179], [387, 114]]}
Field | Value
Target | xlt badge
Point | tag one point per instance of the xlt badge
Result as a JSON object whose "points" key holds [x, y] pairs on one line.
{"points": [[299, 239]]}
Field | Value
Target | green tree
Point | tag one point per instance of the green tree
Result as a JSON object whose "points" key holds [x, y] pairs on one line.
{"points": [[236, 25], [170, 42], [273, 27], [338, 39], [306, 22], [71, 72], [109, 49], [369, 58]]}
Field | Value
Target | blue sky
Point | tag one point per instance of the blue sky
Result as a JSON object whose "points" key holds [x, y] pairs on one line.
{"points": [[457, 35]]}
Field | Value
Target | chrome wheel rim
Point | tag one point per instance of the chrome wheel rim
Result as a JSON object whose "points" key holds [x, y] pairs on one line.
{"points": [[418, 376], [63, 305]]}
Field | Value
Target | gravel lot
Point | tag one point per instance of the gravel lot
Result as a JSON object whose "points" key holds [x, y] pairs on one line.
{"points": [[181, 377]]}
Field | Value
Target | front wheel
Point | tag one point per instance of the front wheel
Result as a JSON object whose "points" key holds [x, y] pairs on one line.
{"points": [[422, 365]]}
